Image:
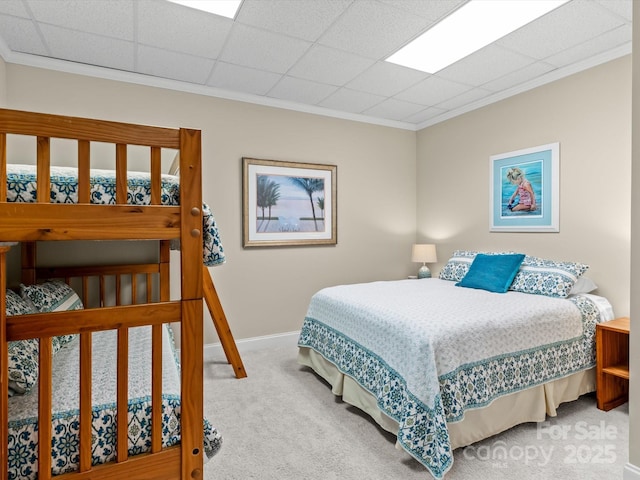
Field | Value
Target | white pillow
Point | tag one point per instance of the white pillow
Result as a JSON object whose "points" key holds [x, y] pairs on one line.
{"points": [[583, 285], [174, 169]]}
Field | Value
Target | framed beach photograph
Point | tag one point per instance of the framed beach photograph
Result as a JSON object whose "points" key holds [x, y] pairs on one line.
{"points": [[288, 203], [525, 190]]}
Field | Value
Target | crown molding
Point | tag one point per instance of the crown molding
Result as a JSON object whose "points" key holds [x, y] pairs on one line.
{"points": [[550, 77], [176, 85], [168, 84]]}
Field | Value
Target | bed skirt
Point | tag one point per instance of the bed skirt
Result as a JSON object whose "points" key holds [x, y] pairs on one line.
{"points": [[530, 405]]}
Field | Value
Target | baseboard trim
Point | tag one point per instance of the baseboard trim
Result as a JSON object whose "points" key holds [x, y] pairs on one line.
{"points": [[631, 472], [279, 340]]}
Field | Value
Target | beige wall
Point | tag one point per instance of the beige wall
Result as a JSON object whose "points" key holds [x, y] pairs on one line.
{"points": [[265, 291], [3, 82], [589, 114], [634, 349]]}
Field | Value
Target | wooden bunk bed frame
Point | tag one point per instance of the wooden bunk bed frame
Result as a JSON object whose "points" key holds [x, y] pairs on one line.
{"points": [[43, 221]]}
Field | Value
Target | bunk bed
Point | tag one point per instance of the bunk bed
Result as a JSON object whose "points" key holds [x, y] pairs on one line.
{"points": [[162, 433]]}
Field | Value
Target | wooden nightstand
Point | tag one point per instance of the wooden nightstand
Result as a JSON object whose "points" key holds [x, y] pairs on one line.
{"points": [[612, 363]]}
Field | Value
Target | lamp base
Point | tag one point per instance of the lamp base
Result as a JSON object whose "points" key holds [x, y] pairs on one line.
{"points": [[424, 272]]}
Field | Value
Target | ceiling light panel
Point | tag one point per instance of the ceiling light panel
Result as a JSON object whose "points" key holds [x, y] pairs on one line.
{"points": [[468, 29], [225, 8]]}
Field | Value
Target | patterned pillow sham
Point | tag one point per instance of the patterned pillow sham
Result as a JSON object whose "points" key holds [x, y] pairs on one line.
{"points": [[15, 304], [23, 354], [53, 296], [538, 276], [23, 365], [459, 263], [547, 277]]}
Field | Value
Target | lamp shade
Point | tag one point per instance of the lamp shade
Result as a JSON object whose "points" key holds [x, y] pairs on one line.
{"points": [[425, 253]]}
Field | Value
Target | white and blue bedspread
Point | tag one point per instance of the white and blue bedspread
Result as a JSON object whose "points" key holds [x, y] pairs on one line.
{"points": [[23, 423], [21, 187], [428, 350]]}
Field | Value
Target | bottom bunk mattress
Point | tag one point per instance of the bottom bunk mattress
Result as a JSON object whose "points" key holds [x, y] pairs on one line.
{"points": [[23, 423], [431, 354]]}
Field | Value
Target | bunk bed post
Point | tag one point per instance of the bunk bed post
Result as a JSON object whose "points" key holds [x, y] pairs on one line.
{"points": [[191, 327], [3, 166], [4, 353], [28, 256], [4, 370]]}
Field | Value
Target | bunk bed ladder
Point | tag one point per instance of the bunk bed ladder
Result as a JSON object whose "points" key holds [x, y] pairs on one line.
{"points": [[222, 326]]}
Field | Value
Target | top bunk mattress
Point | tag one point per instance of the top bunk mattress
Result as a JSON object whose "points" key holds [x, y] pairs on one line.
{"points": [[21, 187]]}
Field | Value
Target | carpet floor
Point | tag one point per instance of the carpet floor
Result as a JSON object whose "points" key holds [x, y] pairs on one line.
{"points": [[282, 422]]}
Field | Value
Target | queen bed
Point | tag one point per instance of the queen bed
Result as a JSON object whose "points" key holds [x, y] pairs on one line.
{"points": [[442, 365]]}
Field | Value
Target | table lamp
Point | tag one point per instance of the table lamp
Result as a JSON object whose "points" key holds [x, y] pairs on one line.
{"points": [[425, 253]]}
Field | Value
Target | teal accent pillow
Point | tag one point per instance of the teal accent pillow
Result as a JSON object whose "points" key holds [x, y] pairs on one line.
{"points": [[458, 265], [494, 273]]}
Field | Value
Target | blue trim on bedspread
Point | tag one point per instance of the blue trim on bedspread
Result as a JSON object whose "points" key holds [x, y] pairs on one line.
{"points": [[423, 428], [21, 187]]}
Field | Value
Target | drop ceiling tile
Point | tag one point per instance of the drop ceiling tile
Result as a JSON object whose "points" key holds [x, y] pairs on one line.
{"points": [[21, 35], [526, 74], [429, 10], [262, 50], [272, 38], [183, 29], [485, 65], [176, 66], [302, 91], [15, 8], [305, 19], [604, 42], [386, 79], [373, 29], [431, 91], [394, 109], [242, 79], [351, 101], [567, 26], [110, 18], [464, 99], [624, 8], [328, 65], [88, 48], [424, 115]]}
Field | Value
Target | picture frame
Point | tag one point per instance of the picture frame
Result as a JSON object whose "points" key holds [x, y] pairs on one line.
{"points": [[525, 190], [288, 203]]}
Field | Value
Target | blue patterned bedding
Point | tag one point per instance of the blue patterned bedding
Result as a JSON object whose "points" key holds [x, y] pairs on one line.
{"points": [[428, 350], [21, 187], [23, 438]]}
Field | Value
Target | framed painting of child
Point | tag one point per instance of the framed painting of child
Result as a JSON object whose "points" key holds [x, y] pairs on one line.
{"points": [[524, 194]]}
